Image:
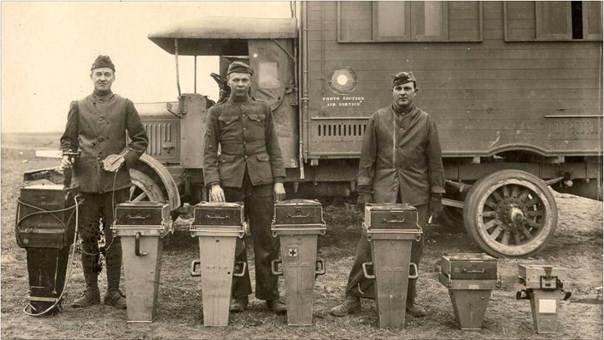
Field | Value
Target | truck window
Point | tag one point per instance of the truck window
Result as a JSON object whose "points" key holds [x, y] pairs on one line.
{"points": [[443, 21], [553, 21]]}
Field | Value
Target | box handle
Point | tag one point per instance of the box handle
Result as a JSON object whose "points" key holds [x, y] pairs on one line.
{"points": [[298, 214], [239, 268], [365, 266], [275, 267], [138, 217], [137, 245], [522, 294], [473, 271], [216, 217], [415, 274], [567, 295], [194, 265], [402, 220], [320, 267]]}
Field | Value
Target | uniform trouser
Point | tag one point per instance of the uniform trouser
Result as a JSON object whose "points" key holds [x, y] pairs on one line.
{"points": [[359, 286], [99, 208], [258, 201]]}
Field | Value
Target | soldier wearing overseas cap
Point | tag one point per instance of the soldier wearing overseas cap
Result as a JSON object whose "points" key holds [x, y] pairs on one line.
{"points": [[248, 169], [400, 162], [98, 127]]}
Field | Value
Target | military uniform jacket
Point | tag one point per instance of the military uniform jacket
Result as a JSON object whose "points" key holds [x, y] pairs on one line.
{"points": [[97, 126], [245, 133], [401, 154]]}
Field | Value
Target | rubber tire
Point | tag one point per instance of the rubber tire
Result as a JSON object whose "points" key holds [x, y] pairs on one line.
{"points": [[152, 188], [478, 195]]}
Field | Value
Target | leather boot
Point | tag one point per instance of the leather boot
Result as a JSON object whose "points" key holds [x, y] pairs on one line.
{"points": [[276, 306], [411, 308], [238, 304], [351, 304], [114, 296], [91, 295]]}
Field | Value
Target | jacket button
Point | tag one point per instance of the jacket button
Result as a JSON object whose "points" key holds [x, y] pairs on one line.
{"points": [[244, 157]]}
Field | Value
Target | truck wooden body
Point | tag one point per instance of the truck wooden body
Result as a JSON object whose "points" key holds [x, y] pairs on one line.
{"points": [[515, 89]]}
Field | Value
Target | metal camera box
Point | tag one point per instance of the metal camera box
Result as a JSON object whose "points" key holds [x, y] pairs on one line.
{"points": [[218, 214], [298, 212], [45, 217], [142, 214], [469, 266], [390, 216], [539, 276]]}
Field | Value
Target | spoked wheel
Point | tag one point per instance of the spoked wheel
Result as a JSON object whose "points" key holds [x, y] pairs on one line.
{"points": [[144, 188], [510, 213]]}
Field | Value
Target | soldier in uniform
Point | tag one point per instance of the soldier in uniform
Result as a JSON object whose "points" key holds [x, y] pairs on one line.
{"points": [[250, 169], [400, 162], [98, 127]]}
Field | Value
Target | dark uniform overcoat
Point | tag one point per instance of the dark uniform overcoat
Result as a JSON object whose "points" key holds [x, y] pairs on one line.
{"points": [[400, 162]]}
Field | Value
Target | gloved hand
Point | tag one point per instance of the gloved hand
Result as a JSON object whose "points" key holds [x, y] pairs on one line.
{"points": [[436, 206], [365, 196], [113, 162]]}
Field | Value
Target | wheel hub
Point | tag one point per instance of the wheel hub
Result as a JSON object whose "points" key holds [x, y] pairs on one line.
{"points": [[511, 213]]}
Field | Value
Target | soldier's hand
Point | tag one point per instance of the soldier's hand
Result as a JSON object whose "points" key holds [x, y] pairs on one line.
{"points": [[279, 190], [216, 193], [436, 206], [65, 163]]}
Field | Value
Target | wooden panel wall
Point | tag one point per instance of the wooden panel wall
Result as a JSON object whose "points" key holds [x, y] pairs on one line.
{"points": [[484, 95]]}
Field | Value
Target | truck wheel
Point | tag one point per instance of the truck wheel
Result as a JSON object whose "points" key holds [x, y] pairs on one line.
{"points": [[510, 213], [144, 187]]}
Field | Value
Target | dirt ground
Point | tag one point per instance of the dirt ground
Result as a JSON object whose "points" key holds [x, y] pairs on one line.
{"points": [[577, 245]]}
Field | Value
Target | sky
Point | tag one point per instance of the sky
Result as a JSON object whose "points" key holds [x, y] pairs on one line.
{"points": [[48, 47]]}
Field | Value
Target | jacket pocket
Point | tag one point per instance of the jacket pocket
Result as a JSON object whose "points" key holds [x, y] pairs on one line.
{"points": [[228, 119], [257, 117], [263, 157]]}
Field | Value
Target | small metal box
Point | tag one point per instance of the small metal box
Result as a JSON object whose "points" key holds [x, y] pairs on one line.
{"points": [[469, 266], [216, 214], [536, 276], [142, 213], [298, 212], [390, 216], [44, 217]]}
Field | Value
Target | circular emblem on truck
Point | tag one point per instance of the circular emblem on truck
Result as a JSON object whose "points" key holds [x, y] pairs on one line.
{"points": [[343, 80]]}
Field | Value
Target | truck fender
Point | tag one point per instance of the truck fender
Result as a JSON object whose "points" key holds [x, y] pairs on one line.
{"points": [[166, 179]]}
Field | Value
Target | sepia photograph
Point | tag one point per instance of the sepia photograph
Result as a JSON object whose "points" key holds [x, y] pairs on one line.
{"points": [[301, 169]]}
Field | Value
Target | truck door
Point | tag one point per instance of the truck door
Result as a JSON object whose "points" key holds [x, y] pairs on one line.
{"points": [[274, 83]]}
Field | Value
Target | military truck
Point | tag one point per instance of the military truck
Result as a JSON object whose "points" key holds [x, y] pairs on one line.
{"points": [[515, 88]]}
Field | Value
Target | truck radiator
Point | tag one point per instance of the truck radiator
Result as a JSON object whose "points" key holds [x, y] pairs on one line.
{"points": [[164, 140]]}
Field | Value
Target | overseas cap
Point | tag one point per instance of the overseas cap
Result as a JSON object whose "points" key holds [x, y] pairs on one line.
{"points": [[102, 61], [402, 78], [239, 67]]}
